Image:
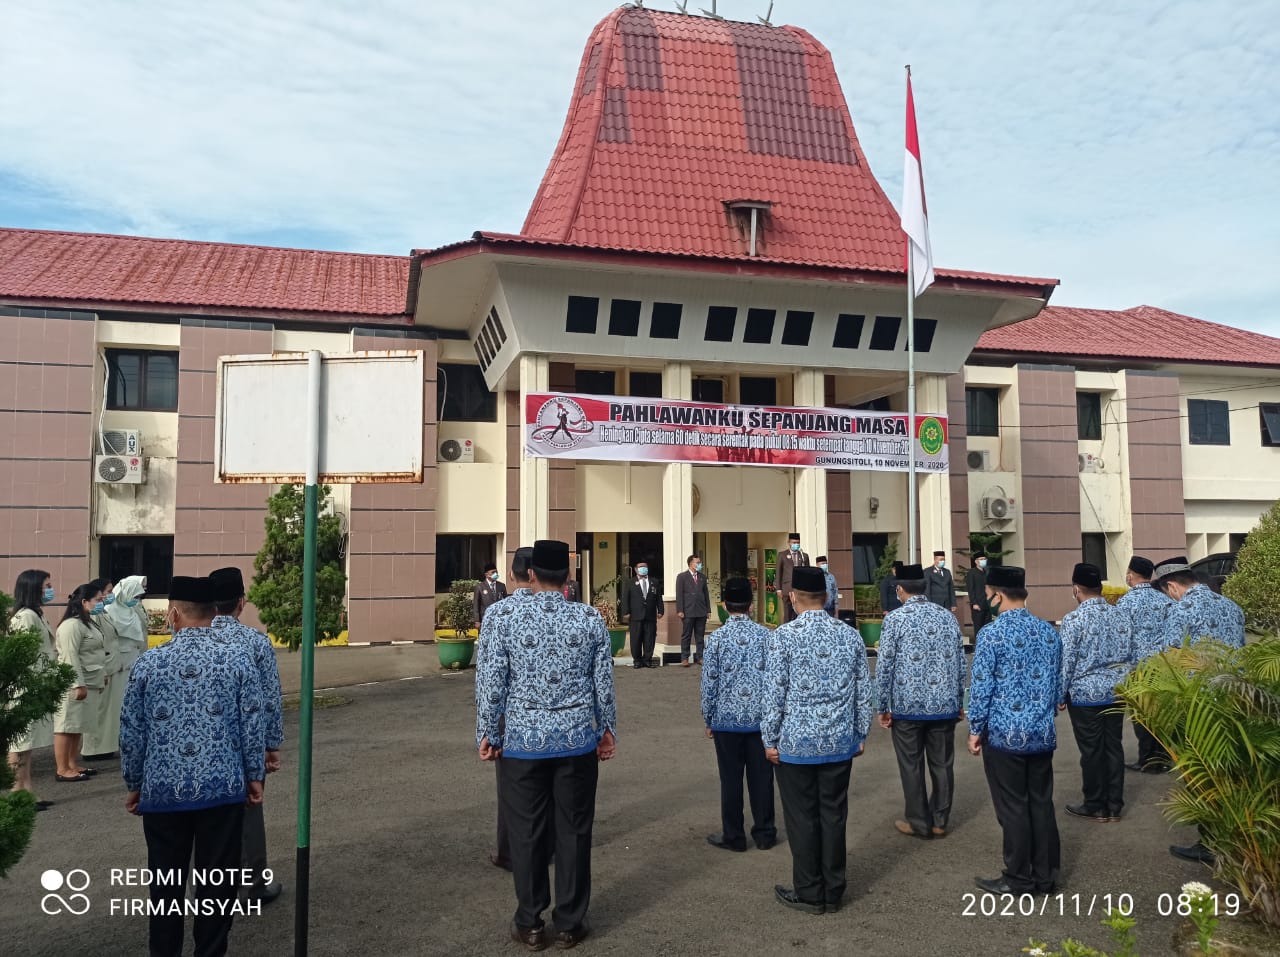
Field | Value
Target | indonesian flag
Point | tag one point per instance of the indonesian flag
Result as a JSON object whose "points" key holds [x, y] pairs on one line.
{"points": [[915, 217]]}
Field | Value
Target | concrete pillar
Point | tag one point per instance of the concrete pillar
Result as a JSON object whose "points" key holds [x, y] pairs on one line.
{"points": [[935, 488], [811, 483], [535, 486], [677, 494]]}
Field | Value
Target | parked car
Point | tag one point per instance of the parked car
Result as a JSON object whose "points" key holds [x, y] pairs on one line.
{"points": [[1214, 569]]}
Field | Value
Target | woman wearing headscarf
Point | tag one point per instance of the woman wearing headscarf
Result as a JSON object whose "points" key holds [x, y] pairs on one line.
{"points": [[82, 645], [33, 590], [125, 626]]}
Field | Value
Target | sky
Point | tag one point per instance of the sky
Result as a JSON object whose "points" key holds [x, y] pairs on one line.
{"points": [[1129, 149]]}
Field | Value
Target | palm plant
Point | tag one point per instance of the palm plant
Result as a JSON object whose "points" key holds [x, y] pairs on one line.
{"points": [[1217, 711]]}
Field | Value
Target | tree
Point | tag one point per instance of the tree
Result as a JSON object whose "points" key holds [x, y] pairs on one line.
{"points": [[1255, 585], [33, 686], [277, 579]]}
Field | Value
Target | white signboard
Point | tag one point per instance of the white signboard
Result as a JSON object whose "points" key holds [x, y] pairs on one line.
{"points": [[371, 418]]}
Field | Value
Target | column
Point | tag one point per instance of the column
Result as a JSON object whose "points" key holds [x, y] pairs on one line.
{"points": [[534, 472], [811, 483], [935, 487], [677, 507]]}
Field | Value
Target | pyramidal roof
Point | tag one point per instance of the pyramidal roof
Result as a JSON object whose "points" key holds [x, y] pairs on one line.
{"points": [[673, 116]]}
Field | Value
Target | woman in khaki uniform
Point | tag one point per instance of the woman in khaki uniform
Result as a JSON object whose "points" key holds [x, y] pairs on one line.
{"points": [[102, 733], [125, 626], [82, 645], [33, 590]]}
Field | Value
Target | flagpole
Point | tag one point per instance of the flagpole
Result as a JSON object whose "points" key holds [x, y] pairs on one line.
{"points": [[912, 491]]}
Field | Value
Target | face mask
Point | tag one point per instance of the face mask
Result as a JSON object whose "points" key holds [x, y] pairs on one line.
{"points": [[795, 546], [47, 597], [994, 606], [109, 600], [130, 602], [942, 563], [98, 608], [982, 563], [697, 567], [823, 566], [493, 576], [642, 571]]}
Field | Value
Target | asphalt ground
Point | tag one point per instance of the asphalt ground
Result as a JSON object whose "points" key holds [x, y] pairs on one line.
{"points": [[404, 819]]}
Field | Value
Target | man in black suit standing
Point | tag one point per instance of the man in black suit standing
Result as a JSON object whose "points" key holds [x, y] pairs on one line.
{"points": [[693, 605], [642, 604], [490, 591], [788, 561], [939, 586]]}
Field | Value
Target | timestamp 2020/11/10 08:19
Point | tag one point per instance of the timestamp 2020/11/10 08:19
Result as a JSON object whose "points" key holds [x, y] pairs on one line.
{"points": [[1086, 905]]}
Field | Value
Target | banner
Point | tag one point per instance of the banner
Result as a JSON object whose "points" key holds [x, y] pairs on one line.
{"points": [[603, 428]]}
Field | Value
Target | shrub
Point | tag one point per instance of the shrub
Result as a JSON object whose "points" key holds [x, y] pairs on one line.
{"points": [[1255, 585], [277, 581], [458, 610]]}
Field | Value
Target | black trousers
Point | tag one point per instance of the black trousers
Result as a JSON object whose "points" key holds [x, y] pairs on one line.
{"points": [[737, 752], [1099, 732], [788, 611], [253, 851], [981, 619], [503, 849], [1150, 751], [214, 835], [916, 744], [815, 807], [534, 794], [693, 631], [644, 635], [1022, 792]]}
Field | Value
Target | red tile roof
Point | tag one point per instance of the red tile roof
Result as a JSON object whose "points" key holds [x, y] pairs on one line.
{"points": [[1142, 333], [133, 272], [674, 115]]}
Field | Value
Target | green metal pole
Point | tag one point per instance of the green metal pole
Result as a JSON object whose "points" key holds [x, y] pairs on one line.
{"points": [[310, 519]]}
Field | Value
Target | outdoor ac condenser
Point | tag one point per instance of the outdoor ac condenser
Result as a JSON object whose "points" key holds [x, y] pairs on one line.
{"points": [[457, 450], [119, 470]]}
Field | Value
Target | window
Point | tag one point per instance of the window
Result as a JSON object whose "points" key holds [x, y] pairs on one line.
{"points": [[462, 556], [664, 321], [925, 328], [848, 331], [1269, 413], [798, 327], [147, 555], [720, 323], [757, 390], [880, 404], [1208, 422], [759, 326], [868, 550], [884, 334], [462, 396], [708, 390], [142, 380], [624, 317], [1093, 549], [1089, 416], [580, 316], [593, 382], [982, 409], [646, 385]]}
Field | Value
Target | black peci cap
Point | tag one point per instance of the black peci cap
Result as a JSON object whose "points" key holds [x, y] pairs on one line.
{"points": [[198, 591], [550, 555], [736, 591], [808, 578], [227, 584], [520, 561], [1087, 576], [1142, 567], [910, 573], [1006, 576]]}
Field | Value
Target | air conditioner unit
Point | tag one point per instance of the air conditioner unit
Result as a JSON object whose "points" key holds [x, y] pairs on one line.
{"points": [[999, 509], [119, 470], [979, 460], [457, 450], [122, 442], [1090, 463]]}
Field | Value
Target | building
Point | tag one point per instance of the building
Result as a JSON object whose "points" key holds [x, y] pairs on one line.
{"points": [[707, 229]]}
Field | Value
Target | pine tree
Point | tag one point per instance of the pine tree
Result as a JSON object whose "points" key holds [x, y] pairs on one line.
{"points": [[1255, 584], [277, 581], [33, 687]]}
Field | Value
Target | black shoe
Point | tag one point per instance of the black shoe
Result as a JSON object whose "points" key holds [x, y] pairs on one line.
{"points": [[788, 897], [534, 938], [1079, 810], [833, 907], [91, 772], [497, 860], [995, 885], [1196, 852], [637, 664], [83, 776], [717, 840], [1113, 815], [1135, 766], [651, 663], [768, 844], [1157, 767], [265, 894], [567, 939]]}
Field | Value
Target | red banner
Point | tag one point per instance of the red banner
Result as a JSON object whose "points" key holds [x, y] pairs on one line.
{"points": [[606, 428]]}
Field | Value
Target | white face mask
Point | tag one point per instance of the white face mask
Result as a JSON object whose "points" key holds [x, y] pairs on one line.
{"points": [[642, 571], [823, 566], [942, 563], [982, 563]]}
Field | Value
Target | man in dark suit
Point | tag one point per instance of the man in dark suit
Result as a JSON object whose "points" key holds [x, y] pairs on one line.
{"points": [[642, 603], [975, 583], [889, 600], [788, 562], [939, 586], [693, 605], [488, 592]]}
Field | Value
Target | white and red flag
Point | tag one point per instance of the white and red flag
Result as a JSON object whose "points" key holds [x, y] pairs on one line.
{"points": [[915, 216]]}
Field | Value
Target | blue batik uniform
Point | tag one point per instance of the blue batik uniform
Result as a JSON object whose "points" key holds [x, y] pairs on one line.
{"points": [[1013, 690], [817, 691], [733, 676], [1203, 614], [920, 666], [833, 594], [191, 726], [1097, 653], [545, 664], [264, 658], [1147, 608]]}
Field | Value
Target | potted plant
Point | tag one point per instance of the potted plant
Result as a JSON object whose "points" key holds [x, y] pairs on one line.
{"points": [[456, 636], [605, 600]]}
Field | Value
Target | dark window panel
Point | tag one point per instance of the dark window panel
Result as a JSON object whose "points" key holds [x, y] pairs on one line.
{"points": [[708, 390], [593, 381], [460, 557], [142, 379], [148, 555], [868, 551], [1208, 422], [581, 313], [720, 323], [624, 317], [759, 326], [982, 410], [1089, 416], [797, 329], [880, 404], [925, 329], [664, 321], [1093, 549], [463, 396], [757, 390], [884, 334], [848, 331], [1269, 412], [646, 385]]}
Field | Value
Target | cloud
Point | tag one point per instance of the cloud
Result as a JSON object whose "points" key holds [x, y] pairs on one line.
{"points": [[1130, 153]]}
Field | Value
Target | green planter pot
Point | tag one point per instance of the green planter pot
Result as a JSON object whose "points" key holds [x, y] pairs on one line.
{"points": [[455, 653], [870, 631], [617, 640]]}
